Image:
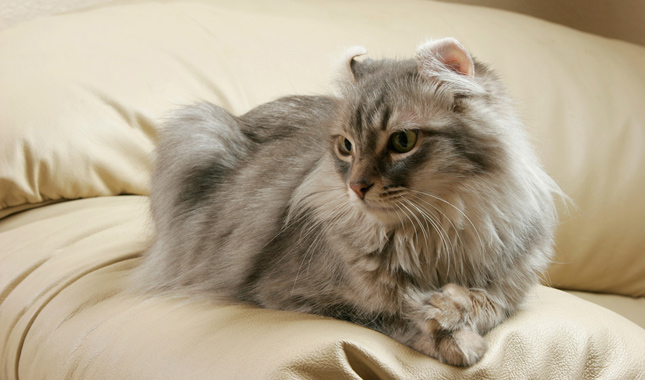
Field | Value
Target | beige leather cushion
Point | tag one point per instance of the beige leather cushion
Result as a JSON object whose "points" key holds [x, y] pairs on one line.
{"points": [[64, 314], [82, 94], [630, 308]]}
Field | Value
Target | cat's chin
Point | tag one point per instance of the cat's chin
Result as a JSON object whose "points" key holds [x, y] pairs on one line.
{"points": [[385, 215]]}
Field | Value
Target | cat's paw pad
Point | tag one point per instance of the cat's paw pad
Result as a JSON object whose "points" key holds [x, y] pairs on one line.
{"points": [[448, 308]]}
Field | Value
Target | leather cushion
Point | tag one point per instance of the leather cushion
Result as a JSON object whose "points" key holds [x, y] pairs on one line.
{"points": [[65, 312]]}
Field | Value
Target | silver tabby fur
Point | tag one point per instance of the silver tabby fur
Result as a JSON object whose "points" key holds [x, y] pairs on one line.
{"points": [[443, 247]]}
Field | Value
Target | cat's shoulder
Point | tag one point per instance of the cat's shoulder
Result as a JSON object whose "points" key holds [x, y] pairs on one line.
{"points": [[291, 116], [297, 106]]}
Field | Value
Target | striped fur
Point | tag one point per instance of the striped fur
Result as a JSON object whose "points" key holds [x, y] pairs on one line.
{"points": [[443, 245]]}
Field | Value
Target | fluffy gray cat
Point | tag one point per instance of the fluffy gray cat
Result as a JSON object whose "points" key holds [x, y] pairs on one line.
{"points": [[410, 203]]}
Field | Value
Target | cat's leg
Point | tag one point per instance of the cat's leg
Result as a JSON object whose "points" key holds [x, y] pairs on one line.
{"points": [[449, 323], [439, 326], [455, 307]]}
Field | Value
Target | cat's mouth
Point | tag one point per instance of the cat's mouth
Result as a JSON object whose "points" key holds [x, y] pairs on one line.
{"points": [[383, 206]]}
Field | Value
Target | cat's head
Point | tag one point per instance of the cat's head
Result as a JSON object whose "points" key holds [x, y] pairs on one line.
{"points": [[412, 131]]}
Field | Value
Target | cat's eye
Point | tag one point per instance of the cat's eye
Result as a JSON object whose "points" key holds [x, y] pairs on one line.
{"points": [[404, 141], [344, 146]]}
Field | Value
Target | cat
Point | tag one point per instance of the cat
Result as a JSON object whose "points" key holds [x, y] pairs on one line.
{"points": [[409, 202]]}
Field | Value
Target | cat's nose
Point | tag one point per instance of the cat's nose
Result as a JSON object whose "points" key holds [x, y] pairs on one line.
{"points": [[360, 188]]}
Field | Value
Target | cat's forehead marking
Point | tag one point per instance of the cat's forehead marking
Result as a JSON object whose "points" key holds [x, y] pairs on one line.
{"points": [[385, 103], [370, 123]]}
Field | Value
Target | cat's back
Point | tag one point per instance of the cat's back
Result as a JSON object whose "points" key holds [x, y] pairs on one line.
{"points": [[299, 117], [205, 199], [285, 140], [203, 147]]}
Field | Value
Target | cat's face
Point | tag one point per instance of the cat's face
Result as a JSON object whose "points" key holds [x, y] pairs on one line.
{"points": [[401, 144]]}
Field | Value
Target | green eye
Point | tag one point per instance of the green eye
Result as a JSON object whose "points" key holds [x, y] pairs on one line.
{"points": [[403, 142], [344, 146]]}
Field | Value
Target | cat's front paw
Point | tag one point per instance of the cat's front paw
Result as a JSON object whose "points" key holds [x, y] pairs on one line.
{"points": [[444, 320], [448, 309], [459, 348]]}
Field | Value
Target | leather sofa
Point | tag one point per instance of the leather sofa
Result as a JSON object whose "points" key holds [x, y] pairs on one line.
{"points": [[82, 95]]}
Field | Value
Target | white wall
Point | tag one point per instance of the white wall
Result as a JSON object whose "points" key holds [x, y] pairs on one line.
{"points": [[13, 12]]}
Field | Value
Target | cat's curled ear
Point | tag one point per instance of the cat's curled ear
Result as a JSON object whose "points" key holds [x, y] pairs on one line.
{"points": [[346, 64], [446, 53], [446, 61]]}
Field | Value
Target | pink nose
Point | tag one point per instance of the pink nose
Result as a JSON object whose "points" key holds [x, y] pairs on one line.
{"points": [[360, 188]]}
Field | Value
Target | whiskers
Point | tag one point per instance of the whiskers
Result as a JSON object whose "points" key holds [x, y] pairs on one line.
{"points": [[429, 223], [437, 226], [420, 194]]}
